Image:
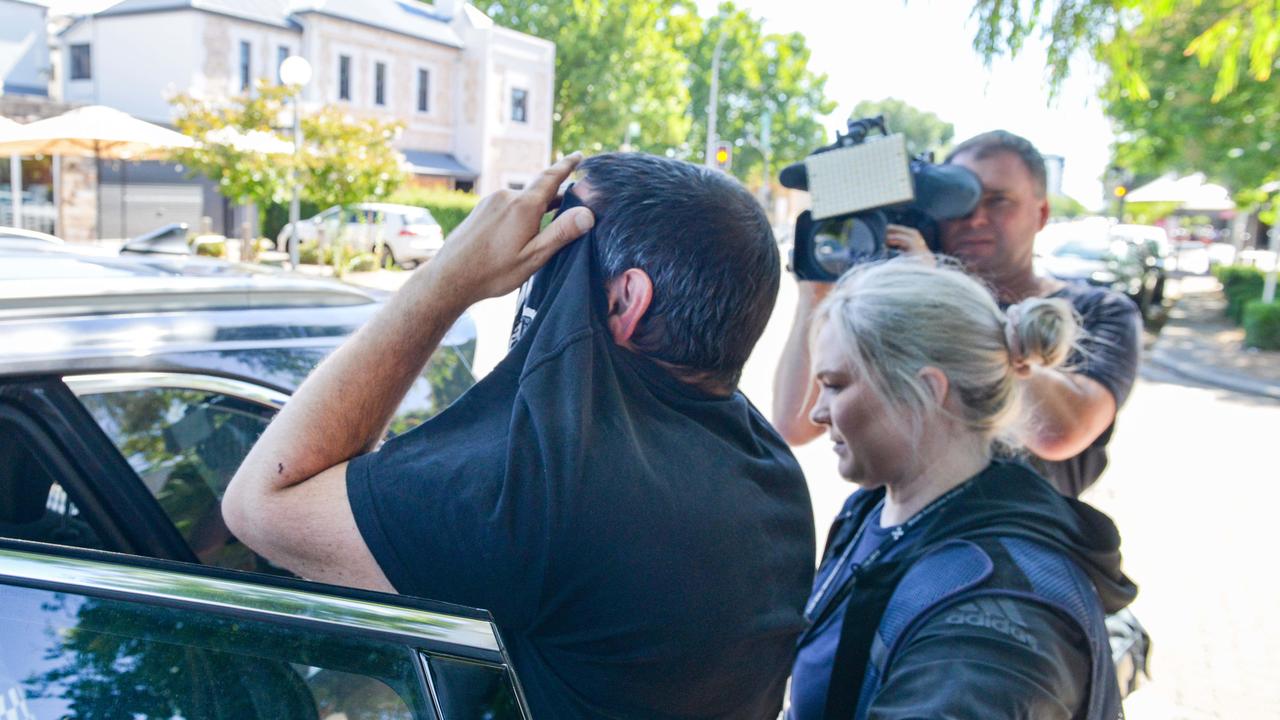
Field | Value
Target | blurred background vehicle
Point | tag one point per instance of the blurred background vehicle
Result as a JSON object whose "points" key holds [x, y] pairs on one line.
{"points": [[408, 234], [1089, 252]]}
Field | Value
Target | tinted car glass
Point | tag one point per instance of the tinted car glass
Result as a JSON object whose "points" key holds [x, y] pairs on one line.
{"points": [[185, 445], [72, 655], [33, 505], [467, 689]]}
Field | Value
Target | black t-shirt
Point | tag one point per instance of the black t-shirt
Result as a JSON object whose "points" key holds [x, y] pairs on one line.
{"points": [[646, 549], [1109, 352]]}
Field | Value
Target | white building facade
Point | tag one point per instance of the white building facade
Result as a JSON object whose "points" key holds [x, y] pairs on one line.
{"points": [[475, 99]]}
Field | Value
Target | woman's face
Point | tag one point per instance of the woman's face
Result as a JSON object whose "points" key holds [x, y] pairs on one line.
{"points": [[873, 442]]}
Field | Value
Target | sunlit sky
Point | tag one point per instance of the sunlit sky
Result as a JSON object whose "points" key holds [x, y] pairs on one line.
{"points": [[921, 51]]}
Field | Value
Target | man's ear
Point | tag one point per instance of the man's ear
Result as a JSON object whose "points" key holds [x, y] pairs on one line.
{"points": [[629, 296], [1044, 212]]}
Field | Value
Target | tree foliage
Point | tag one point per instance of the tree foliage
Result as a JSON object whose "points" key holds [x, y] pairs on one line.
{"points": [[616, 62], [1227, 38], [1173, 122], [344, 159], [924, 130], [764, 77], [649, 62]]}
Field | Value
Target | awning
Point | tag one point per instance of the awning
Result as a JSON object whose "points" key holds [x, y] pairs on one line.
{"points": [[424, 162]]}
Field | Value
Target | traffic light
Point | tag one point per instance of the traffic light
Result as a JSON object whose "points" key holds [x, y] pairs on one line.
{"points": [[1121, 191], [724, 156]]}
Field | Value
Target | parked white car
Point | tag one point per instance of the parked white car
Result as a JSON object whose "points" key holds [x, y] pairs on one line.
{"points": [[407, 232]]}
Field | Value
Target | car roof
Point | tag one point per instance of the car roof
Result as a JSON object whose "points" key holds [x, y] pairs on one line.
{"points": [[42, 281], [13, 233]]}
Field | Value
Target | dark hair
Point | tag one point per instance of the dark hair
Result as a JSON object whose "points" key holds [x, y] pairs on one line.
{"points": [[706, 245], [998, 141]]}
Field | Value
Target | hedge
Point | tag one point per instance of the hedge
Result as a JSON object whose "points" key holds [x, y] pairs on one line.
{"points": [[1241, 284], [1262, 325], [448, 207]]}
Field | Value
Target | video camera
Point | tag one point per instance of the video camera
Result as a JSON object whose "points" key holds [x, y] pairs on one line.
{"points": [[859, 185]]}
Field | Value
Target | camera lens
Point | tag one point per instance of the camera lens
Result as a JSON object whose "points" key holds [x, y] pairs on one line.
{"points": [[840, 244]]}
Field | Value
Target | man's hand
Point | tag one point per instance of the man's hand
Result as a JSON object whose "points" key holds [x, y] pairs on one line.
{"points": [[288, 500], [908, 241], [499, 246]]}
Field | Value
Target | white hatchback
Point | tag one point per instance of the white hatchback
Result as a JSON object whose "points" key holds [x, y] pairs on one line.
{"points": [[408, 233]]}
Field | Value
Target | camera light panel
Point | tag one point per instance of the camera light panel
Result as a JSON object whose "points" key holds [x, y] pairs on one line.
{"points": [[859, 177]]}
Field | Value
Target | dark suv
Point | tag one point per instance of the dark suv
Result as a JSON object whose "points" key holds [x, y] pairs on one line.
{"points": [[130, 390]]}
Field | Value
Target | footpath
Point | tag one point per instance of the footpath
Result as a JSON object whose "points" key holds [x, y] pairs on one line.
{"points": [[1199, 343]]}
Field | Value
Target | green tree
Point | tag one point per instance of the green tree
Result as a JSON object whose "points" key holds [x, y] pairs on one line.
{"points": [[348, 159], [243, 177], [763, 77], [1226, 37], [924, 130], [1063, 206], [1173, 122], [344, 159], [616, 63]]}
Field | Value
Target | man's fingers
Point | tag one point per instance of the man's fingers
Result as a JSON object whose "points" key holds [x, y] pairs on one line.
{"points": [[548, 183], [562, 231]]}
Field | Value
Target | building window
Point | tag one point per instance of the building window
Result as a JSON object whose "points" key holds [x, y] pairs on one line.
{"points": [[520, 105], [379, 83], [344, 77], [81, 62], [424, 91], [245, 74], [282, 54]]}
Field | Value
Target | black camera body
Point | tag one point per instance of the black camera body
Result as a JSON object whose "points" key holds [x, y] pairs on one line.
{"points": [[860, 186]]}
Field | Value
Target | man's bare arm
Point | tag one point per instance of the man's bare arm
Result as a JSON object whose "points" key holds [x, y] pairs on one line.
{"points": [[1068, 412], [288, 500], [793, 395]]}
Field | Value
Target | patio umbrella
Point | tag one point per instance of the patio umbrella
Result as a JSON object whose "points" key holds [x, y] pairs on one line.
{"points": [[95, 131], [7, 128]]}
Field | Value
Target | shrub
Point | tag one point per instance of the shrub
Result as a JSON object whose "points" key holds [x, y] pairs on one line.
{"points": [[1262, 325], [210, 248], [1241, 284], [448, 207], [361, 262]]}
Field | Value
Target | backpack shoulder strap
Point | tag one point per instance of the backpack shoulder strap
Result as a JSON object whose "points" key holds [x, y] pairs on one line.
{"points": [[938, 577]]}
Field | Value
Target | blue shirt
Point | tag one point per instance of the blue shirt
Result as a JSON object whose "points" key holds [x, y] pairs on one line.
{"points": [[811, 674]]}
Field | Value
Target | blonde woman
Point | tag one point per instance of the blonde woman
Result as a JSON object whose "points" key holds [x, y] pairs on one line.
{"points": [[954, 584]]}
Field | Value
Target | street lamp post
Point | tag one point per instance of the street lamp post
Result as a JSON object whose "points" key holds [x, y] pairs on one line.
{"points": [[295, 72], [713, 106]]}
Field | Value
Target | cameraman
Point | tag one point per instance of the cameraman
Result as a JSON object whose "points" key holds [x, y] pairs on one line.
{"points": [[1073, 409]]}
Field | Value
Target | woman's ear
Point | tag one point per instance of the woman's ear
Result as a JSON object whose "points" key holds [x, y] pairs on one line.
{"points": [[629, 296], [937, 382]]}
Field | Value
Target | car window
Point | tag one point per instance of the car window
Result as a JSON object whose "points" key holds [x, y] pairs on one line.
{"points": [[72, 655], [185, 445], [467, 689], [419, 218], [33, 505], [1088, 251]]}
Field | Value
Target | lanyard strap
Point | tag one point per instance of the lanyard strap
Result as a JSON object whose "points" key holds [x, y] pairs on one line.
{"points": [[897, 534]]}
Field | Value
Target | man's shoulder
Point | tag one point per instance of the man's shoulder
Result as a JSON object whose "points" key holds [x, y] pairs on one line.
{"points": [[1090, 300]]}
